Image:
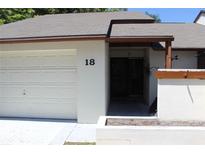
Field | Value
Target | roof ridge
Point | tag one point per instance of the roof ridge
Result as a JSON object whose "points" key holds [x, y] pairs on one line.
{"points": [[173, 22], [75, 13], [178, 23]]}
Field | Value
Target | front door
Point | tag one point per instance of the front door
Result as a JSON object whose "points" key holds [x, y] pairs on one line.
{"points": [[119, 77], [201, 60], [135, 77], [127, 77]]}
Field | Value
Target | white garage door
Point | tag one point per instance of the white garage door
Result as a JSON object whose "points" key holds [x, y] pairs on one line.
{"points": [[38, 84]]}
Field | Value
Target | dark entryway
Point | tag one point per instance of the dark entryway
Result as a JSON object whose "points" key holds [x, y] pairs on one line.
{"points": [[127, 87], [201, 60], [127, 77]]}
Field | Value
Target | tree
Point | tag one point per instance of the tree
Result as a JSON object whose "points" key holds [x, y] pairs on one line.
{"points": [[72, 10], [12, 15], [156, 17]]}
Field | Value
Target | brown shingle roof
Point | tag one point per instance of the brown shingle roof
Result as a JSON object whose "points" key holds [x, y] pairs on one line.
{"points": [[66, 24], [187, 35], [88, 24]]}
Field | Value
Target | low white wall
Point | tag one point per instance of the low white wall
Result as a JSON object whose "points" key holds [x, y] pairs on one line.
{"points": [[181, 99], [187, 60], [148, 135]]}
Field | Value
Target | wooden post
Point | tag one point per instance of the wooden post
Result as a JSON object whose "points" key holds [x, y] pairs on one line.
{"points": [[168, 54]]}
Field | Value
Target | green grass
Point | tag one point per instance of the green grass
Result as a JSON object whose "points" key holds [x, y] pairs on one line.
{"points": [[79, 143]]}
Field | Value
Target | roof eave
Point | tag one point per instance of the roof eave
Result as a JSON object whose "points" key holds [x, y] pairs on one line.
{"points": [[183, 48], [53, 38], [120, 39]]}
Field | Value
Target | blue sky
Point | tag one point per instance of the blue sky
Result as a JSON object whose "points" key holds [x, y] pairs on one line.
{"points": [[172, 15]]}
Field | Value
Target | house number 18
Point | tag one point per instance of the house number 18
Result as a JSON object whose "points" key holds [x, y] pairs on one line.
{"points": [[89, 62]]}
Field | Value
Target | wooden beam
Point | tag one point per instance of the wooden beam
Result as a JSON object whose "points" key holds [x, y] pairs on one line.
{"points": [[139, 39], [168, 54], [127, 44], [180, 74], [179, 49], [52, 39]]}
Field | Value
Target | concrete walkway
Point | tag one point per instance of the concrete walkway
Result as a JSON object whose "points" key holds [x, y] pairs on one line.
{"points": [[44, 131], [128, 108], [83, 133]]}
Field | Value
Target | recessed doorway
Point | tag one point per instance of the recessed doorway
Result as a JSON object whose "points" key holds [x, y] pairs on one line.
{"points": [[127, 86], [127, 77]]}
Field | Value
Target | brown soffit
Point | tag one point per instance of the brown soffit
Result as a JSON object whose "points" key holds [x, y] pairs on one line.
{"points": [[119, 39], [52, 39], [131, 21], [128, 44], [181, 49], [88, 37], [179, 75]]}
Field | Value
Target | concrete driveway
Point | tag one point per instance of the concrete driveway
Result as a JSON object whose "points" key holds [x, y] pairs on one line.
{"points": [[35, 131]]}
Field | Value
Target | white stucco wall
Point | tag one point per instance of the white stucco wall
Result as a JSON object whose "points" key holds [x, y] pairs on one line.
{"points": [[181, 99], [187, 60], [127, 52], [107, 76], [92, 80], [147, 135], [156, 59], [201, 19]]}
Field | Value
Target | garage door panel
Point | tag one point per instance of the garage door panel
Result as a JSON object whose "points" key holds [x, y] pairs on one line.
{"points": [[11, 92], [39, 76], [52, 61], [38, 100], [34, 110], [58, 61], [41, 84], [44, 92], [52, 92], [21, 53], [11, 62], [24, 59]]}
